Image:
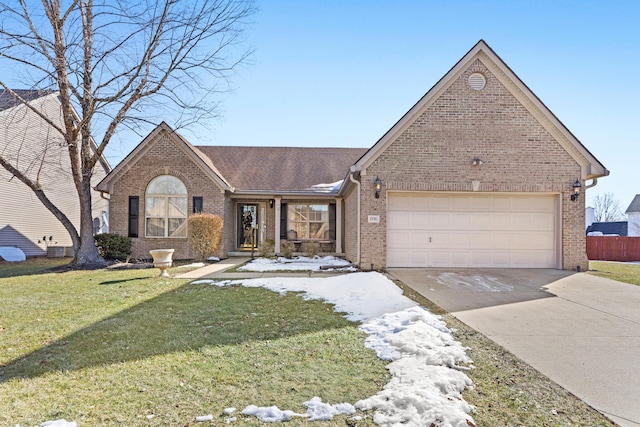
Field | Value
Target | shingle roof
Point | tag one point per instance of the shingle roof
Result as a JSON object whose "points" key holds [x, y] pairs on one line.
{"points": [[8, 101], [615, 228], [281, 168], [635, 205]]}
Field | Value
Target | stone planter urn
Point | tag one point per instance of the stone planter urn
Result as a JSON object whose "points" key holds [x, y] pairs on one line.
{"points": [[162, 260]]}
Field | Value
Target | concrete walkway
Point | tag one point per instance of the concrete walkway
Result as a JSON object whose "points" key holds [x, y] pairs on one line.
{"points": [[219, 271], [581, 331]]}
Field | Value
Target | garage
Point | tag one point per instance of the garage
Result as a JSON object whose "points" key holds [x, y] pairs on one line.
{"points": [[472, 230]]}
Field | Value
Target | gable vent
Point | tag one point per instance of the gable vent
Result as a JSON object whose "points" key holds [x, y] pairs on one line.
{"points": [[477, 81]]}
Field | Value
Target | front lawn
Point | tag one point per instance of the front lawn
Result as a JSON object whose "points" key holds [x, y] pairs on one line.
{"points": [[620, 271], [128, 348]]}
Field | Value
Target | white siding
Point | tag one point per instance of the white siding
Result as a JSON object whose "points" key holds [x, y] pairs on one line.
{"points": [[27, 139]]}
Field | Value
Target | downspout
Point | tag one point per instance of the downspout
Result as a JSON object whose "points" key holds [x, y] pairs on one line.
{"points": [[357, 183], [594, 181]]}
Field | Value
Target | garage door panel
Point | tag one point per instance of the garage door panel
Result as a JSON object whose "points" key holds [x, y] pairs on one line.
{"points": [[420, 221], [471, 230], [439, 221], [461, 221]]}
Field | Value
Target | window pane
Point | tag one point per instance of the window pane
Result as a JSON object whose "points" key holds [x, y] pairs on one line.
{"points": [[177, 227], [177, 207], [166, 184], [155, 227], [155, 207]]}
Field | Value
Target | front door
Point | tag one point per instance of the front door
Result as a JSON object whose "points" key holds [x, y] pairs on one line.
{"points": [[248, 236]]}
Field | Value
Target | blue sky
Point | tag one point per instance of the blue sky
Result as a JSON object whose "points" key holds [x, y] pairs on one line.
{"points": [[341, 73]]}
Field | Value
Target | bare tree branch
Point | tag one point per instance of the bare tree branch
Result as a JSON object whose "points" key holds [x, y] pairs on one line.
{"points": [[118, 63], [606, 208]]}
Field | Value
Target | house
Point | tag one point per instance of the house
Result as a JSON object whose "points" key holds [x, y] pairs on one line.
{"points": [[613, 228], [633, 216], [478, 173], [29, 140]]}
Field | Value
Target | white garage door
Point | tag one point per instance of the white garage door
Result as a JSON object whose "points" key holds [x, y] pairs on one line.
{"points": [[464, 230]]}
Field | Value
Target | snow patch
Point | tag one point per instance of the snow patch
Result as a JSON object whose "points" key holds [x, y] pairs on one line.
{"points": [[327, 263]]}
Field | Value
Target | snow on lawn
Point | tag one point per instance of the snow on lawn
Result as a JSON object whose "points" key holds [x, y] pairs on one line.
{"points": [[427, 363], [298, 264]]}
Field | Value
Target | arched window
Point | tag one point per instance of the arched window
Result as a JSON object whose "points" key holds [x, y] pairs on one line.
{"points": [[166, 207]]}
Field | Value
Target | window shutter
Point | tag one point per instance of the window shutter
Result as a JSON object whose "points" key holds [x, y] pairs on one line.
{"points": [[134, 205], [283, 221], [332, 221], [197, 204]]}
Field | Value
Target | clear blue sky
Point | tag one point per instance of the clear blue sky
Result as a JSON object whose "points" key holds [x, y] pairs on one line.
{"points": [[341, 73]]}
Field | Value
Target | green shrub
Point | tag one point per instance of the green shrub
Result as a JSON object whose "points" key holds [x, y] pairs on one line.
{"points": [[311, 249], [113, 246], [286, 249], [266, 249], [205, 234]]}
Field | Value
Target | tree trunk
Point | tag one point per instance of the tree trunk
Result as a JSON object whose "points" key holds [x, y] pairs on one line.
{"points": [[86, 253]]}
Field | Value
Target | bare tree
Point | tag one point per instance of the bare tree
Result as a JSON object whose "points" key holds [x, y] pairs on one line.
{"points": [[117, 63], [606, 208]]}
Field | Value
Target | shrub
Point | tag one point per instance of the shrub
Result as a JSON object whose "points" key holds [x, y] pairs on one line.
{"points": [[286, 248], [266, 249], [311, 249], [205, 234], [113, 246]]}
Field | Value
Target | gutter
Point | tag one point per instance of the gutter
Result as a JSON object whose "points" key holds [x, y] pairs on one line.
{"points": [[357, 183]]}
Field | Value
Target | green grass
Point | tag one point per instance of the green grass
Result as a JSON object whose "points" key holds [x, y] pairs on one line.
{"points": [[622, 272], [109, 348]]}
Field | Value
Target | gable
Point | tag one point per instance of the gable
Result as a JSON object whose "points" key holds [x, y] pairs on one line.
{"points": [[452, 106], [164, 150]]}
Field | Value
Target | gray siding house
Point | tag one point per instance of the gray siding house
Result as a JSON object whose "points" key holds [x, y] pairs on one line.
{"points": [[29, 142]]}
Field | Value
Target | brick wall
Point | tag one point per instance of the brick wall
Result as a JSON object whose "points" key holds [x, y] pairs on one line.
{"points": [[435, 153], [164, 157]]}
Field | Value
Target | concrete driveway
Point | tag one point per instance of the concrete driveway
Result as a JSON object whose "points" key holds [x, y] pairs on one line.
{"points": [[580, 330]]}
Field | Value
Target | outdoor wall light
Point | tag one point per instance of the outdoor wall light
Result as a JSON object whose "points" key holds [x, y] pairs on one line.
{"points": [[576, 190], [476, 162], [377, 184], [271, 202]]}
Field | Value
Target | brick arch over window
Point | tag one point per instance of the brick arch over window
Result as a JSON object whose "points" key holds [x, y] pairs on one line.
{"points": [[166, 207]]}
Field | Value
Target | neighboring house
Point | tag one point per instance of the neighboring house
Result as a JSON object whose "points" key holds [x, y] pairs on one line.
{"points": [[30, 141], [633, 216], [478, 173], [616, 228]]}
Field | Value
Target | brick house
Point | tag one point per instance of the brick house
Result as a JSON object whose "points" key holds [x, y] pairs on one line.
{"points": [[478, 173]]}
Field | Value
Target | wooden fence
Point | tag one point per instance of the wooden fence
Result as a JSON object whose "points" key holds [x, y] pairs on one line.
{"points": [[612, 248]]}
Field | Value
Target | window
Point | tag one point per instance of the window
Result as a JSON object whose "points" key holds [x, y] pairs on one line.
{"points": [[308, 221], [166, 208], [197, 204]]}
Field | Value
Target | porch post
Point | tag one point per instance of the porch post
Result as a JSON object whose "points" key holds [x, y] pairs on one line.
{"points": [[277, 224], [339, 225]]}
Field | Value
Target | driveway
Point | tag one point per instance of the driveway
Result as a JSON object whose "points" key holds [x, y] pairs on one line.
{"points": [[580, 330]]}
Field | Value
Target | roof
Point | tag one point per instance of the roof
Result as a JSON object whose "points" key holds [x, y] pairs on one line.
{"points": [[618, 228], [9, 101], [634, 206], [591, 167], [256, 170], [281, 169]]}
